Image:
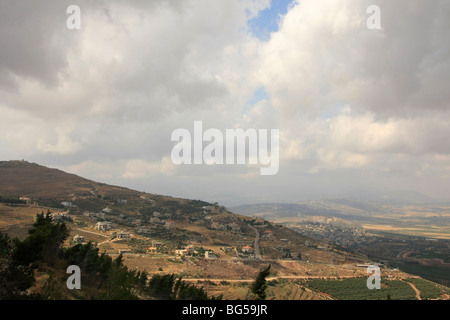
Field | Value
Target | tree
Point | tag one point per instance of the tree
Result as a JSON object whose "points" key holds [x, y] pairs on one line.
{"points": [[259, 286], [14, 278], [43, 242], [168, 287], [19, 259]]}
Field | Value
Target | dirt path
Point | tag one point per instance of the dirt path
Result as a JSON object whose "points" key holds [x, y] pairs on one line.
{"points": [[268, 278], [415, 289]]}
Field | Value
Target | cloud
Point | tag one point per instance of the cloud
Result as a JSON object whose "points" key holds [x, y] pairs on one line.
{"points": [[353, 106], [325, 53], [142, 169]]}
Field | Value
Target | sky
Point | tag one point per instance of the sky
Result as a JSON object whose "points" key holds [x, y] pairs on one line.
{"points": [[359, 110]]}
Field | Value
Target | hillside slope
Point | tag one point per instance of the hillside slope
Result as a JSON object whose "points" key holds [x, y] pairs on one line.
{"points": [[31, 179], [158, 230]]}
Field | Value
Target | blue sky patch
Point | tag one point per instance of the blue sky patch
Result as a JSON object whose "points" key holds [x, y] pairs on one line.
{"points": [[259, 95], [267, 20]]}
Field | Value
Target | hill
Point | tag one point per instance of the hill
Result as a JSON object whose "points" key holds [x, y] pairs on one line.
{"points": [[180, 222], [204, 242], [36, 181]]}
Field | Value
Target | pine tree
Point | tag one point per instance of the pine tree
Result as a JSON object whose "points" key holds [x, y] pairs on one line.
{"points": [[259, 286]]}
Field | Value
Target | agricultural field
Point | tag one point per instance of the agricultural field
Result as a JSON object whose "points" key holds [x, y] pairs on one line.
{"points": [[280, 289], [428, 289], [356, 289]]}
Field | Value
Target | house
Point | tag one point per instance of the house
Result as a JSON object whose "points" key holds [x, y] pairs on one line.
{"points": [[190, 249], [26, 199], [103, 226], [60, 216], [247, 249], [107, 210], [170, 223], [259, 221], [209, 255], [157, 244], [181, 252], [268, 234], [187, 251], [123, 236], [78, 239], [66, 204]]}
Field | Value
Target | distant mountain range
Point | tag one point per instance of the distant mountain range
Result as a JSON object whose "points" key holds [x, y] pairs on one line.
{"points": [[352, 209]]}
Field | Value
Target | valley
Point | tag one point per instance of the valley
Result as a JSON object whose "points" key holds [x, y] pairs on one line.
{"points": [[205, 243], [414, 238]]}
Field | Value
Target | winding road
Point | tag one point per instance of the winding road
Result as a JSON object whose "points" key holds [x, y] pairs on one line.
{"points": [[257, 254]]}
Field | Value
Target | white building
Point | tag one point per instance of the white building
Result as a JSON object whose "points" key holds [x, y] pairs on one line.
{"points": [[103, 226], [170, 224], [78, 238], [123, 236], [59, 216], [181, 252]]}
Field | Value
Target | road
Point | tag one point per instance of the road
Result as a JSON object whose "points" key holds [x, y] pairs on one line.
{"points": [[257, 254], [269, 278], [98, 234]]}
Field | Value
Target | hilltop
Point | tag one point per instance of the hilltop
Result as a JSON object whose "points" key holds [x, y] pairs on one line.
{"points": [[36, 181]]}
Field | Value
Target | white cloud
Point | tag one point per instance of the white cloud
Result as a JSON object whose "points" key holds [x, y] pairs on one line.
{"points": [[139, 169], [103, 101]]}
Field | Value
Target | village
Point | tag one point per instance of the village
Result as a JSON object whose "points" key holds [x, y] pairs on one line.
{"points": [[332, 230], [198, 240], [157, 234]]}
